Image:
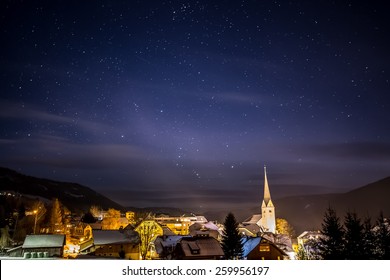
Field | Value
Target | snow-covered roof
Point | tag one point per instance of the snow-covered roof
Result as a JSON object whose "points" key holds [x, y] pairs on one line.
{"points": [[165, 241], [253, 228], [44, 241], [201, 219], [211, 226], [254, 219], [103, 237], [201, 247], [309, 233], [170, 240]]}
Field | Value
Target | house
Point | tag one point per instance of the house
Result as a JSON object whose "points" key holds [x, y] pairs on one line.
{"points": [[165, 246], [212, 230], [249, 229], [43, 246], [82, 231], [309, 235], [309, 241], [120, 244], [180, 224], [198, 248], [282, 241], [130, 216], [259, 248]]}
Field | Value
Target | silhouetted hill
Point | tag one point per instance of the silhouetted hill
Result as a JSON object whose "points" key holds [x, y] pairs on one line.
{"points": [[303, 212], [74, 196], [306, 212]]}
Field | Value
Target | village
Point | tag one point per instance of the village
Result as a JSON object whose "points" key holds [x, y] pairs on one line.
{"points": [[112, 234]]}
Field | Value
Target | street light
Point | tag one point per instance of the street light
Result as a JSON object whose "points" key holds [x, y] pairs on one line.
{"points": [[35, 222]]}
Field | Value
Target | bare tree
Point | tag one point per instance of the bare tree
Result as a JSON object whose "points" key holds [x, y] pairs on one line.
{"points": [[148, 230], [56, 218]]}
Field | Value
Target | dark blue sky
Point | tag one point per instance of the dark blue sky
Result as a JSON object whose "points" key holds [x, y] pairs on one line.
{"points": [[182, 103]]}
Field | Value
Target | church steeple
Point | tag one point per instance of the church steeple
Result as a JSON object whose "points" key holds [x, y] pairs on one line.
{"points": [[268, 221], [267, 194]]}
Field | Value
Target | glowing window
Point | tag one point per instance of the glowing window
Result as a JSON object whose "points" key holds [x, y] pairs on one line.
{"points": [[264, 248]]}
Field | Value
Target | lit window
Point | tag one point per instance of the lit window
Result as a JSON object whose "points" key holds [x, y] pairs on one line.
{"points": [[264, 248]]}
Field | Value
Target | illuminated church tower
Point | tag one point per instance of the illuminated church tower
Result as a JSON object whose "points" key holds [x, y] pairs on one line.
{"points": [[267, 222]]}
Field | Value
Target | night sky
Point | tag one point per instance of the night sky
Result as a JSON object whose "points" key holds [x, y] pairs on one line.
{"points": [[182, 103]]}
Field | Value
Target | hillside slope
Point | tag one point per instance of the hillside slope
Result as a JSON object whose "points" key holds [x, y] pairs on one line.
{"points": [[306, 212], [74, 196]]}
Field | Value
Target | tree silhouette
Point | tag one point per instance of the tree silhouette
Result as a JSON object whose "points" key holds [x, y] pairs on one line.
{"points": [[88, 218], [353, 237], [383, 237], [231, 239], [332, 242], [369, 243]]}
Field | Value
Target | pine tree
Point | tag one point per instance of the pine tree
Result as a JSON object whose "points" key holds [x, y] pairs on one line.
{"points": [[332, 244], [231, 240], [88, 218], [383, 238], [368, 242], [353, 249]]}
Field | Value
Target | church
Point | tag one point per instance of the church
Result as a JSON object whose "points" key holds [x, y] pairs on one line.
{"points": [[259, 230], [265, 221]]}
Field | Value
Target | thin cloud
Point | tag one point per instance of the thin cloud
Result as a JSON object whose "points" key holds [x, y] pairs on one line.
{"points": [[354, 150], [28, 112]]}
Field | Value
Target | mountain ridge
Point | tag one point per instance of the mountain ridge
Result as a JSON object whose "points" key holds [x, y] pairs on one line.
{"points": [[303, 212], [367, 201], [76, 197]]}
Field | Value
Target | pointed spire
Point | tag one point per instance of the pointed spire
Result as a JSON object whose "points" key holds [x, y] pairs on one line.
{"points": [[267, 194]]}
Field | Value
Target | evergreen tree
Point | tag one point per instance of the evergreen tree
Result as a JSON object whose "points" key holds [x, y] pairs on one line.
{"points": [[88, 218], [231, 240], [383, 238], [332, 244], [369, 246], [353, 249]]}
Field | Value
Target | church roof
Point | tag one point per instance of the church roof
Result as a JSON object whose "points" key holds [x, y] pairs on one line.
{"points": [[254, 219]]}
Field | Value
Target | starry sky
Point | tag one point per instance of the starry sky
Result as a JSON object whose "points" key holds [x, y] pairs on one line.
{"points": [[182, 103]]}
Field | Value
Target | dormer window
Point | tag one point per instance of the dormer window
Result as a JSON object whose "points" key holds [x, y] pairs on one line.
{"points": [[194, 248]]}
